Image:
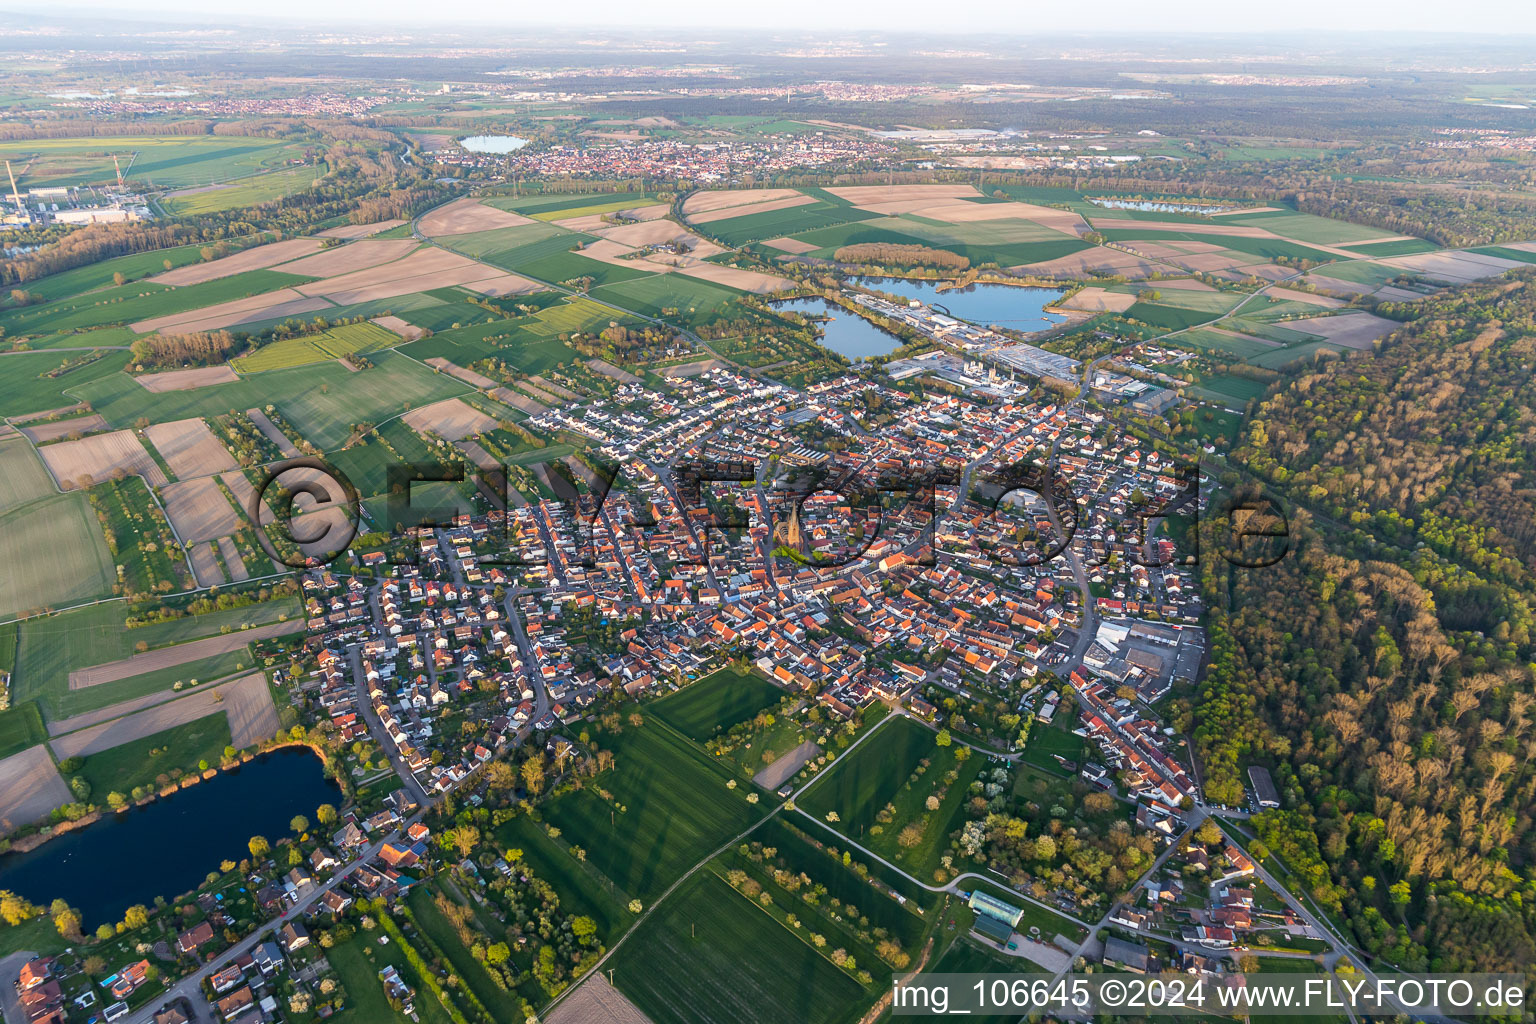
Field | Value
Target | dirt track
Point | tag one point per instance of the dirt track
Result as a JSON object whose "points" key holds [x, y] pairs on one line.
{"points": [[180, 654]]}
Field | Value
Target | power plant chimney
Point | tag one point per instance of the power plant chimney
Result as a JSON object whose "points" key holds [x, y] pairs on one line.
{"points": [[16, 195]]}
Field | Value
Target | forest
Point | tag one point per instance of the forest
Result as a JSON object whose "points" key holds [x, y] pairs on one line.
{"points": [[1383, 670]]}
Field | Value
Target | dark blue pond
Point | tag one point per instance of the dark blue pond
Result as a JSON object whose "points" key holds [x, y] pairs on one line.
{"points": [[1010, 306], [168, 847]]}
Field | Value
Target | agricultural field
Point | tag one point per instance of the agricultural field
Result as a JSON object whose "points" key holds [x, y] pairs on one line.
{"points": [[22, 476], [716, 703], [668, 807], [53, 555], [49, 649], [145, 761], [693, 300], [737, 958], [259, 188], [336, 343], [861, 783], [145, 305], [180, 160]]}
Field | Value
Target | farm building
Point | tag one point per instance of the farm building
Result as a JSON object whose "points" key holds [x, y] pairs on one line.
{"points": [[987, 906]]}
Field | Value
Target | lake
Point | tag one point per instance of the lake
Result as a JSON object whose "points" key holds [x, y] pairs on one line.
{"points": [[168, 847], [844, 333], [1010, 306], [1151, 206], [493, 143]]}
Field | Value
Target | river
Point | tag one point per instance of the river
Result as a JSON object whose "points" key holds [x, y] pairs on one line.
{"points": [[168, 847]]}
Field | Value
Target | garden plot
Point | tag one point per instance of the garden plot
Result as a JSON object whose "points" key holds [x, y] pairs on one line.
{"points": [[45, 432], [465, 216], [451, 419], [274, 305], [198, 510], [1352, 330], [256, 258], [277, 437], [190, 448], [187, 380], [78, 463], [359, 230], [347, 259]]}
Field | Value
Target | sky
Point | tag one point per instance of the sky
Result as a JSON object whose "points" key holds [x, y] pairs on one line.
{"points": [[1008, 17]]}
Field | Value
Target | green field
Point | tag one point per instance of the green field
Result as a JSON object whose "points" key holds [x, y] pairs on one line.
{"points": [[1268, 248], [146, 761], [561, 205], [692, 298], [259, 188], [717, 702], [563, 266], [1401, 247], [1305, 227], [859, 784], [480, 244], [727, 960], [322, 400], [1174, 318], [176, 160], [670, 808], [1210, 339], [99, 275], [22, 476], [140, 300], [349, 339], [751, 227], [1046, 741], [1239, 388], [53, 554], [20, 728], [25, 388], [1500, 251]]}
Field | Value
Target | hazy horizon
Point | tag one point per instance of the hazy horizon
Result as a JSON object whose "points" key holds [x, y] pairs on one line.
{"points": [[1493, 18]]}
